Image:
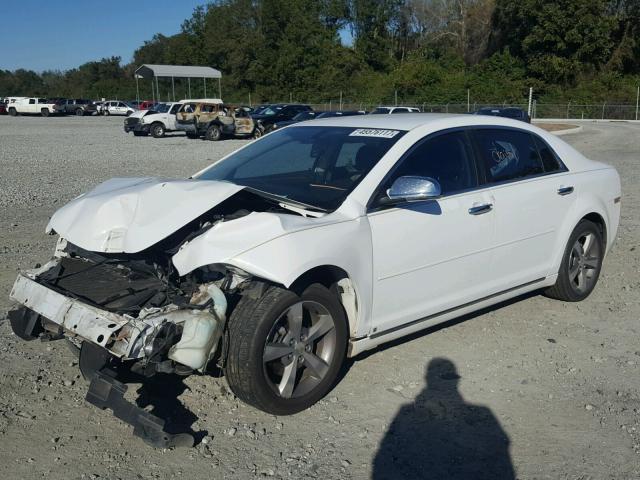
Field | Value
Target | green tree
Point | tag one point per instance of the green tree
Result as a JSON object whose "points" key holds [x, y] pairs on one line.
{"points": [[558, 38]]}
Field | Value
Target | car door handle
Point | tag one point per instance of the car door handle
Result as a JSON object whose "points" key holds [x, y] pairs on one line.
{"points": [[565, 190], [480, 209]]}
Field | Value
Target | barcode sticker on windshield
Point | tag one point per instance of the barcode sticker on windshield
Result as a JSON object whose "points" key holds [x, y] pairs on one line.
{"points": [[374, 132]]}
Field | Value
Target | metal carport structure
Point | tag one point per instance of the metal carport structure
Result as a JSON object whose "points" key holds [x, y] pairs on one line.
{"points": [[173, 71]]}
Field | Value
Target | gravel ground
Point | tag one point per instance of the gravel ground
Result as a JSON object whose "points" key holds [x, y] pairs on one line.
{"points": [[550, 390]]}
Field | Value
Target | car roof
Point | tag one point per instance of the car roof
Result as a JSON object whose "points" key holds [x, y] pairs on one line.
{"points": [[409, 121]]}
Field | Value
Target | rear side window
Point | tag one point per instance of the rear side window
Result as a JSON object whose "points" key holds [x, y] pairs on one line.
{"points": [[446, 158], [550, 159], [508, 154]]}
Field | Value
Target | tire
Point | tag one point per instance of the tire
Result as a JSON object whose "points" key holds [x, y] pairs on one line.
{"points": [[213, 133], [106, 113], [256, 321], [13, 112], [79, 112], [157, 130], [579, 265], [45, 112], [257, 133]]}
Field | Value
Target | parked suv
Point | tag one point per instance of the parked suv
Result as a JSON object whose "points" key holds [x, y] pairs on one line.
{"points": [[158, 120], [32, 106], [76, 106], [211, 119], [279, 112]]}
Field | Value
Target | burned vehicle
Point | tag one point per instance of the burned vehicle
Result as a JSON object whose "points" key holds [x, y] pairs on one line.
{"points": [[211, 119], [312, 244]]}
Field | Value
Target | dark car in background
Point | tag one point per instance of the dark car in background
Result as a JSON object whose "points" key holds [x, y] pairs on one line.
{"points": [[76, 106], [508, 112], [311, 115], [3, 108], [279, 112]]}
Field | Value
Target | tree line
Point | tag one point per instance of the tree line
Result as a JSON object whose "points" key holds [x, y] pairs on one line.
{"points": [[378, 50]]}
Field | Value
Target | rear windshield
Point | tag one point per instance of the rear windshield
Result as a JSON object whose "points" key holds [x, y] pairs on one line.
{"points": [[315, 166]]}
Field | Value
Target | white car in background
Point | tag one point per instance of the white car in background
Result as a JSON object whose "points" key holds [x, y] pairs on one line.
{"points": [[31, 105], [315, 243], [116, 107], [156, 121]]}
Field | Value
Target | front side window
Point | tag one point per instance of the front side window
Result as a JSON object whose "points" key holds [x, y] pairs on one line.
{"points": [[447, 158], [508, 154], [317, 166], [173, 110], [32, 101]]}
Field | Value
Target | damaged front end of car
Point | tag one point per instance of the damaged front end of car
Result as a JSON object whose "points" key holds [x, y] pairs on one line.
{"points": [[135, 311]]}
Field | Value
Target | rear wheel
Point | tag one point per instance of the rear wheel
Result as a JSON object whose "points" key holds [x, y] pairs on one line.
{"points": [[44, 112], [106, 112], [157, 130], [581, 264], [286, 350], [213, 133]]}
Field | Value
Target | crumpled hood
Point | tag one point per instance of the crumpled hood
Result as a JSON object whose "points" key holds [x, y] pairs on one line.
{"points": [[128, 215]]}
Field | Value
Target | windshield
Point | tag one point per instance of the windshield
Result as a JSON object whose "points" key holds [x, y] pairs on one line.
{"points": [[316, 166], [160, 107], [268, 111]]}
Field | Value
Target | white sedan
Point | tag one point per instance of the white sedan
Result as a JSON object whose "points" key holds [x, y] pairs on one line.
{"points": [[316, 243]]}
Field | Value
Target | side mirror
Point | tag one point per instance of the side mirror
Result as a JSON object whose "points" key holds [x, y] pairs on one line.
{"points": [[412, 189]]}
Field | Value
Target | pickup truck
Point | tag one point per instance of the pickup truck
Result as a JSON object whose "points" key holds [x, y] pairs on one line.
{"points": [[76, 106], [33, 105], [156, 121]]}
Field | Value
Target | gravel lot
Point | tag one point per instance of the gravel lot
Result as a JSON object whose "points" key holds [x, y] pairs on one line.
{"points": [[553, 388]]}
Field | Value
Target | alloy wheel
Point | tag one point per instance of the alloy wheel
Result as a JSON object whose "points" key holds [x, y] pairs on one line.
{"points": [[299, 349], [584, 261]]}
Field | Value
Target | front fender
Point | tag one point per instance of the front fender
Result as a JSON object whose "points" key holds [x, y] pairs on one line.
{"points": [[288, 255]]}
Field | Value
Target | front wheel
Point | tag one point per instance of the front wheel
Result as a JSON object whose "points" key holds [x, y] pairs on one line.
{"points": [[286, 350], [157, 130], [213, 133], [79, 112], [13, 112], [581, 264]]}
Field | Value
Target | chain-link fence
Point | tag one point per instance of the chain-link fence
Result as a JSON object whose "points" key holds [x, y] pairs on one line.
{"points": [[602, 111]]}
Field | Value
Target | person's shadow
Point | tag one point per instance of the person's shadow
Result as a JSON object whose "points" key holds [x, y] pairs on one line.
{"points": [[440, 436]]}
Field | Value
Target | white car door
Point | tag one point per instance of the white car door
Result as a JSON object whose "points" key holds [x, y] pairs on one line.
{"points": [[431, 256], [170, 121], [531, 200], [31, 106]]}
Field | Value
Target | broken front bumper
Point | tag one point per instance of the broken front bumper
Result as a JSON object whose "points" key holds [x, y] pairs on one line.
{"points": [[115, 332], [124, 336]]}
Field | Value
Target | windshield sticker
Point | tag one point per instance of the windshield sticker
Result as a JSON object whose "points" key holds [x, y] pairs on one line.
{"points": [[374, 132]]}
